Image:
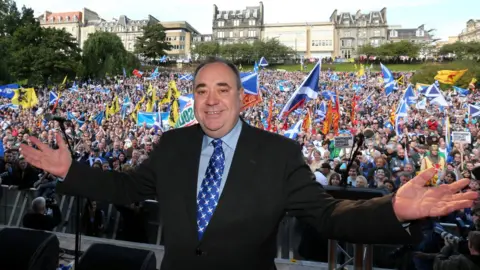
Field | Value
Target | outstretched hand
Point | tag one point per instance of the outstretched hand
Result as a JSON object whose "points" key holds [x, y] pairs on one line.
{"points": [[56, 162], [415, 201]]}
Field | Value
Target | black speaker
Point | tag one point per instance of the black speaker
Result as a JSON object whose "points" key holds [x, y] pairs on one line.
{"points": [[24, 249], [105, 256]]}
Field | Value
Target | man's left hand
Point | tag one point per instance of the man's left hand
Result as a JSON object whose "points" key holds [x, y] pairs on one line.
{"points": [[415, 201]]}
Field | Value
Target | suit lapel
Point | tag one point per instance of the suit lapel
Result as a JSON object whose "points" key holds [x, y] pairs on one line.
{"points": [[191, 164], [237, 183]]}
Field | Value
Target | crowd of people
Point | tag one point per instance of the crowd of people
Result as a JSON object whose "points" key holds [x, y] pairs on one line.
{"points": [[387, 160]]}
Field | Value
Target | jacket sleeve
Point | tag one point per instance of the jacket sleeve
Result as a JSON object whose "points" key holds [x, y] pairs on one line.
{"points": [[351, 221], [117, 187]]}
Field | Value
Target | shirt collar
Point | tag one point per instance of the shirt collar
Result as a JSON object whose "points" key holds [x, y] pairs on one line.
{"points": [[230, 140]]}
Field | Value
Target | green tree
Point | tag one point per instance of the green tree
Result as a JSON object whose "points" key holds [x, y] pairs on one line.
{"points": [[394, 49], [206, 49], [104, 53], [463, 50], [152, 43]]}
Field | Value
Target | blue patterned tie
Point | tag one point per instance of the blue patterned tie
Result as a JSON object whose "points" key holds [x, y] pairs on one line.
{"points": [[210, 189]]}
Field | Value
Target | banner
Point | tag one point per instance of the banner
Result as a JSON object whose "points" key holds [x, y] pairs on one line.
{"points": [[187, 116], [6, 91]]}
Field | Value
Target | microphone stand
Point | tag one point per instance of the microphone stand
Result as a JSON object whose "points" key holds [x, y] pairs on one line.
{"points": [[358, 142], [77, 199]]}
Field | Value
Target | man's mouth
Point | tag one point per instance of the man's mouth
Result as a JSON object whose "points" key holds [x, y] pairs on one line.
{"points": [[213, 112]]}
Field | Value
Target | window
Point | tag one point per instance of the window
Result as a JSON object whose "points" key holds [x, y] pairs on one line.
{"points": [[362, 34], [376, 33], [346, 53], [346, 43], [225, 16], [346, 22], [67, 19], [393, 33], [236, 23], [230, 34], [220, 34], [361, 43], [241, 33], [251, 22], [347, 34], [221, 24], [75, 18], [375, 42], [376, 21], [420, 33], [363, 23], [252, 33]]}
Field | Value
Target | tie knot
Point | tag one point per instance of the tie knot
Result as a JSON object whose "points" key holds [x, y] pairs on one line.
{"points": [[217, 143]]}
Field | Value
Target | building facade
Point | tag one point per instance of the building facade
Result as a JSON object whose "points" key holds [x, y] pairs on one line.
{"points": [[415, 35], [180, 35], [232, 26], [471, 32], [312, 39], [355, 30], [126, 29]]}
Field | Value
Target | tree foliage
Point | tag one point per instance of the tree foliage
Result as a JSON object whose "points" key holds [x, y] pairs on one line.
{"points": [[30, 52], [271, 49], [462, 50], [104, 54], [394, 49], [428, 72], [152, 44]]}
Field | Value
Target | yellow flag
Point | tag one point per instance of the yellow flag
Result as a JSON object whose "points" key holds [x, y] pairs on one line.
{"points": [[173, 87], [27, 98], [115, 108], [361, 71], [173, 117], [151, 97], [133, 115], [449, 76]]}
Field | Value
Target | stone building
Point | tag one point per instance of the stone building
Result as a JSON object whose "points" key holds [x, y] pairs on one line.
{"points": [[471, 32], [355, 30], [231, 26], [414, 35]]}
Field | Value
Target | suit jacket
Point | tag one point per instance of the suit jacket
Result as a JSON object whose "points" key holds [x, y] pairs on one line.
{"points": [[268, 178]]}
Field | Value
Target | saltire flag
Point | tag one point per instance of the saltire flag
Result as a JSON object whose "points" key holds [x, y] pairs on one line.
{"points": [[163, 59], [251, 96], [308, 89], [155, 74], [449, 76], [402, 113], [53, 98], [124, 73], [292, 133], [263, 62], [389, 81], [462, 92], [409, 96], [435, 96], [473, 111]]}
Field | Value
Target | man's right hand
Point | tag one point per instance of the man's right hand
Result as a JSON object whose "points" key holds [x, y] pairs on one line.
{"points": [[56, 162]]}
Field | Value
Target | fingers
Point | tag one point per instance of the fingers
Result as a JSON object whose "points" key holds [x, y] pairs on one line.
{"points": [[424, 177], [471, 195], [43, 147], [444, 209], [458, 185], [60, 142]]}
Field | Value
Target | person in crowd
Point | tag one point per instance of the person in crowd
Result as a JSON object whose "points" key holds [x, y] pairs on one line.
{"points": [[43, 215], [93, 219]]}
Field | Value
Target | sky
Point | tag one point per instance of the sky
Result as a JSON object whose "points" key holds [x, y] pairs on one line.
{"points": [[447, 17]]}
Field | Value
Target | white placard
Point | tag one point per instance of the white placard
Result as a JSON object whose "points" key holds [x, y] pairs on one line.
{"points": [[461, 137], [344, 142]]}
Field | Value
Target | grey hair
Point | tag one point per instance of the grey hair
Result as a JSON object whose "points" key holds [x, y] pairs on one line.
{"points": [[212, 60], [38, 204]]}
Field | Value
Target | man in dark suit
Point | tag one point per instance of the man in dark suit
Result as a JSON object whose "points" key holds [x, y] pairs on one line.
{"points": [[223, 187]]}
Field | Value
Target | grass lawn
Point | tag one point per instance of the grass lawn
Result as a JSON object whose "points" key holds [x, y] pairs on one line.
{"points": [[345, 67]]}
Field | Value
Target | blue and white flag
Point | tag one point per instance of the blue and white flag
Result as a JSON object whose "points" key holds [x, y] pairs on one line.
{"points": [[461, 91], [308, 89], [435, 96], [263, 62], [473, 111], [186, 77], [409, 96], [250, 83], [389, 80], [6, 91], [53, 97], [402, 113], [292, 132]]}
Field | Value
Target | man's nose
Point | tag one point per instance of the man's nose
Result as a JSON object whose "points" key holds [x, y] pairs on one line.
{"points": [[212, 98]]}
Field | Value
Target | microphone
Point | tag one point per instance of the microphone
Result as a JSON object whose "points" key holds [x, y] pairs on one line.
{"points": [[50, 117]]}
